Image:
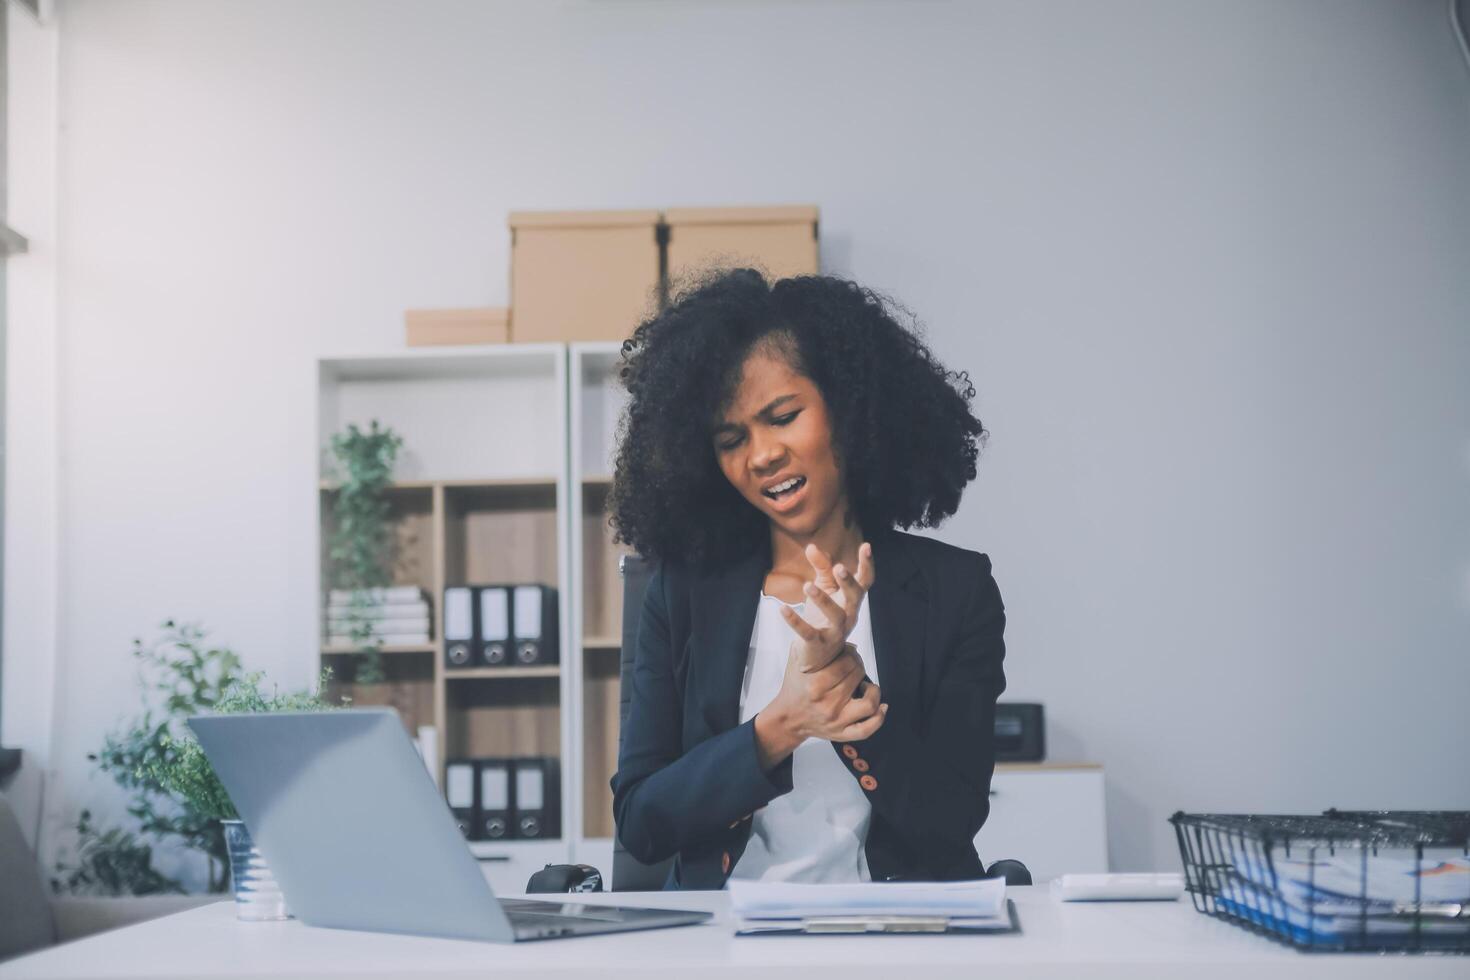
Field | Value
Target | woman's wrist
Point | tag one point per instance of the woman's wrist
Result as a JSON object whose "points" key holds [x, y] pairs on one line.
{"points": [[775, 738]]}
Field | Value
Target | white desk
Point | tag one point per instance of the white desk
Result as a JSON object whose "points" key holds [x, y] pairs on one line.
{"points": [[1132, 941]]}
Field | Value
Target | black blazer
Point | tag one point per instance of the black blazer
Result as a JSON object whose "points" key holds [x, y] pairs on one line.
{"points": [[689, 779]]}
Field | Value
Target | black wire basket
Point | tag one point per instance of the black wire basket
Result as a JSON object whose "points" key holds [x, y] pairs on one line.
{"points": [[1345, 881]]}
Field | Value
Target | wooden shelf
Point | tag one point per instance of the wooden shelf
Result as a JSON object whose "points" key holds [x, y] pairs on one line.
{"points": [[481, 362], [395, 649], [497, 673], [331, 486], [602, 643], [518, 481], [502, 533], [597, 479], [407, 684], [601, 709], [510, 481]]}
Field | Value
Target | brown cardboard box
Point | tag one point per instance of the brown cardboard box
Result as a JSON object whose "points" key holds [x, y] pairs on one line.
{"points": [[582, 275], [488, 325], [781, 241]]}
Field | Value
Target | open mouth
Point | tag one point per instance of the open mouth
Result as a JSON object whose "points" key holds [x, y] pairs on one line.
{"points": [[782, 491]]}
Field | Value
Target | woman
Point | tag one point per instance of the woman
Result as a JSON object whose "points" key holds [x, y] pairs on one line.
{"points": [[813, 691]]}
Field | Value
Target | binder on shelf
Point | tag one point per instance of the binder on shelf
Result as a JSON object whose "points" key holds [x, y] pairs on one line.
{"points": [[496, 802], [459, 626], [494, 636], [537, 798], [533, 621], [459, 791]]}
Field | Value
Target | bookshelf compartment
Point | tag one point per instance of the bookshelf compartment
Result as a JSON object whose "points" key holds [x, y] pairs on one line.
{"points": [[602, 584], [411, 513], [500, 534], [599, 743], [601, 403], [408, 687], [489, 720]]}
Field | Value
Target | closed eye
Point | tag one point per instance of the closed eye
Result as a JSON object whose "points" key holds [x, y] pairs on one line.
{"points": [[735, 441]]}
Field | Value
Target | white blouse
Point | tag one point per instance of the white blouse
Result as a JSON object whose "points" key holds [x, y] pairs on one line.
{"points": [[816, 832]]}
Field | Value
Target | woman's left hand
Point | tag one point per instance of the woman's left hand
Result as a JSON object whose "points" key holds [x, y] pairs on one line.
{"points": [[838, 594]]}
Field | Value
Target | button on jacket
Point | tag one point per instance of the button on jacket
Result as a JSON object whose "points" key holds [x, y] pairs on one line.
{"points": [[689, 775]]}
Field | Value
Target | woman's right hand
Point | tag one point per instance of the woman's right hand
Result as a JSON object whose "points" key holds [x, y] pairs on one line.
{"points": [[818, 704]]}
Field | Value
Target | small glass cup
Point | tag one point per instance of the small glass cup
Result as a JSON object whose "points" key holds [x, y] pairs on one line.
{"points": [[257, 896]]}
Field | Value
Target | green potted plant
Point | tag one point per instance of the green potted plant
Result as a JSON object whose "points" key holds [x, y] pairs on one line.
{"points": [[185, 772], [361, 546], [180, 673], [173, 802]]}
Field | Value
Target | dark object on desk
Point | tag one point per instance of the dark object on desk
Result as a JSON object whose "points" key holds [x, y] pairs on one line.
{"points": [[1020, 732], [628, 873], [574, 878], [1014, 872], [1346, 881]]}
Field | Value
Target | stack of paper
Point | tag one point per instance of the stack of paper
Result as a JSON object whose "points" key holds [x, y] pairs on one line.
{"points": [[1345, 892], [886, 907], [393, 616]]}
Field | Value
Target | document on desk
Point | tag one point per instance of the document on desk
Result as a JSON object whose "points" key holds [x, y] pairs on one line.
{"points": [[914, 906], [1331, 894]]}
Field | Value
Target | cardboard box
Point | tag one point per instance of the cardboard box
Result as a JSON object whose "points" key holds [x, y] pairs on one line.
{"points": [[582, 275], [781, 241], [487, 325]]}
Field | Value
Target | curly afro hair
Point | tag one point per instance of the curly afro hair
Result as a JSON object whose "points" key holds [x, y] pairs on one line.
{"points": [[903, 434]]}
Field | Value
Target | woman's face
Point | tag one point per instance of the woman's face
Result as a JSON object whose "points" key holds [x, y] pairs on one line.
{"points": [[774, 445]]}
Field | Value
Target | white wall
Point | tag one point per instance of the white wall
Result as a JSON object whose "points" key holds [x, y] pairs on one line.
{"points": [[1205, 261]]}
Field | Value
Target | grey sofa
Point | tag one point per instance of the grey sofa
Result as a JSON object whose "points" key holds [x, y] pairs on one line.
{"points": [[31, 918]]}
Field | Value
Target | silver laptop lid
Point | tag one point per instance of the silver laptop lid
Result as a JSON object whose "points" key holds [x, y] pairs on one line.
{"points": [[345, 813]]}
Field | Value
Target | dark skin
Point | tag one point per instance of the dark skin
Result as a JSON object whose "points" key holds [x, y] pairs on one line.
{"points": [[776, 429]]}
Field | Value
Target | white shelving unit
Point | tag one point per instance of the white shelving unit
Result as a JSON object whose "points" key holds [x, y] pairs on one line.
{"points": [[597, 401], [483, 494]]}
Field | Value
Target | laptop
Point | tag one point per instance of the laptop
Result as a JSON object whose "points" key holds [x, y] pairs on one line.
{"points": [[358, 837]]}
